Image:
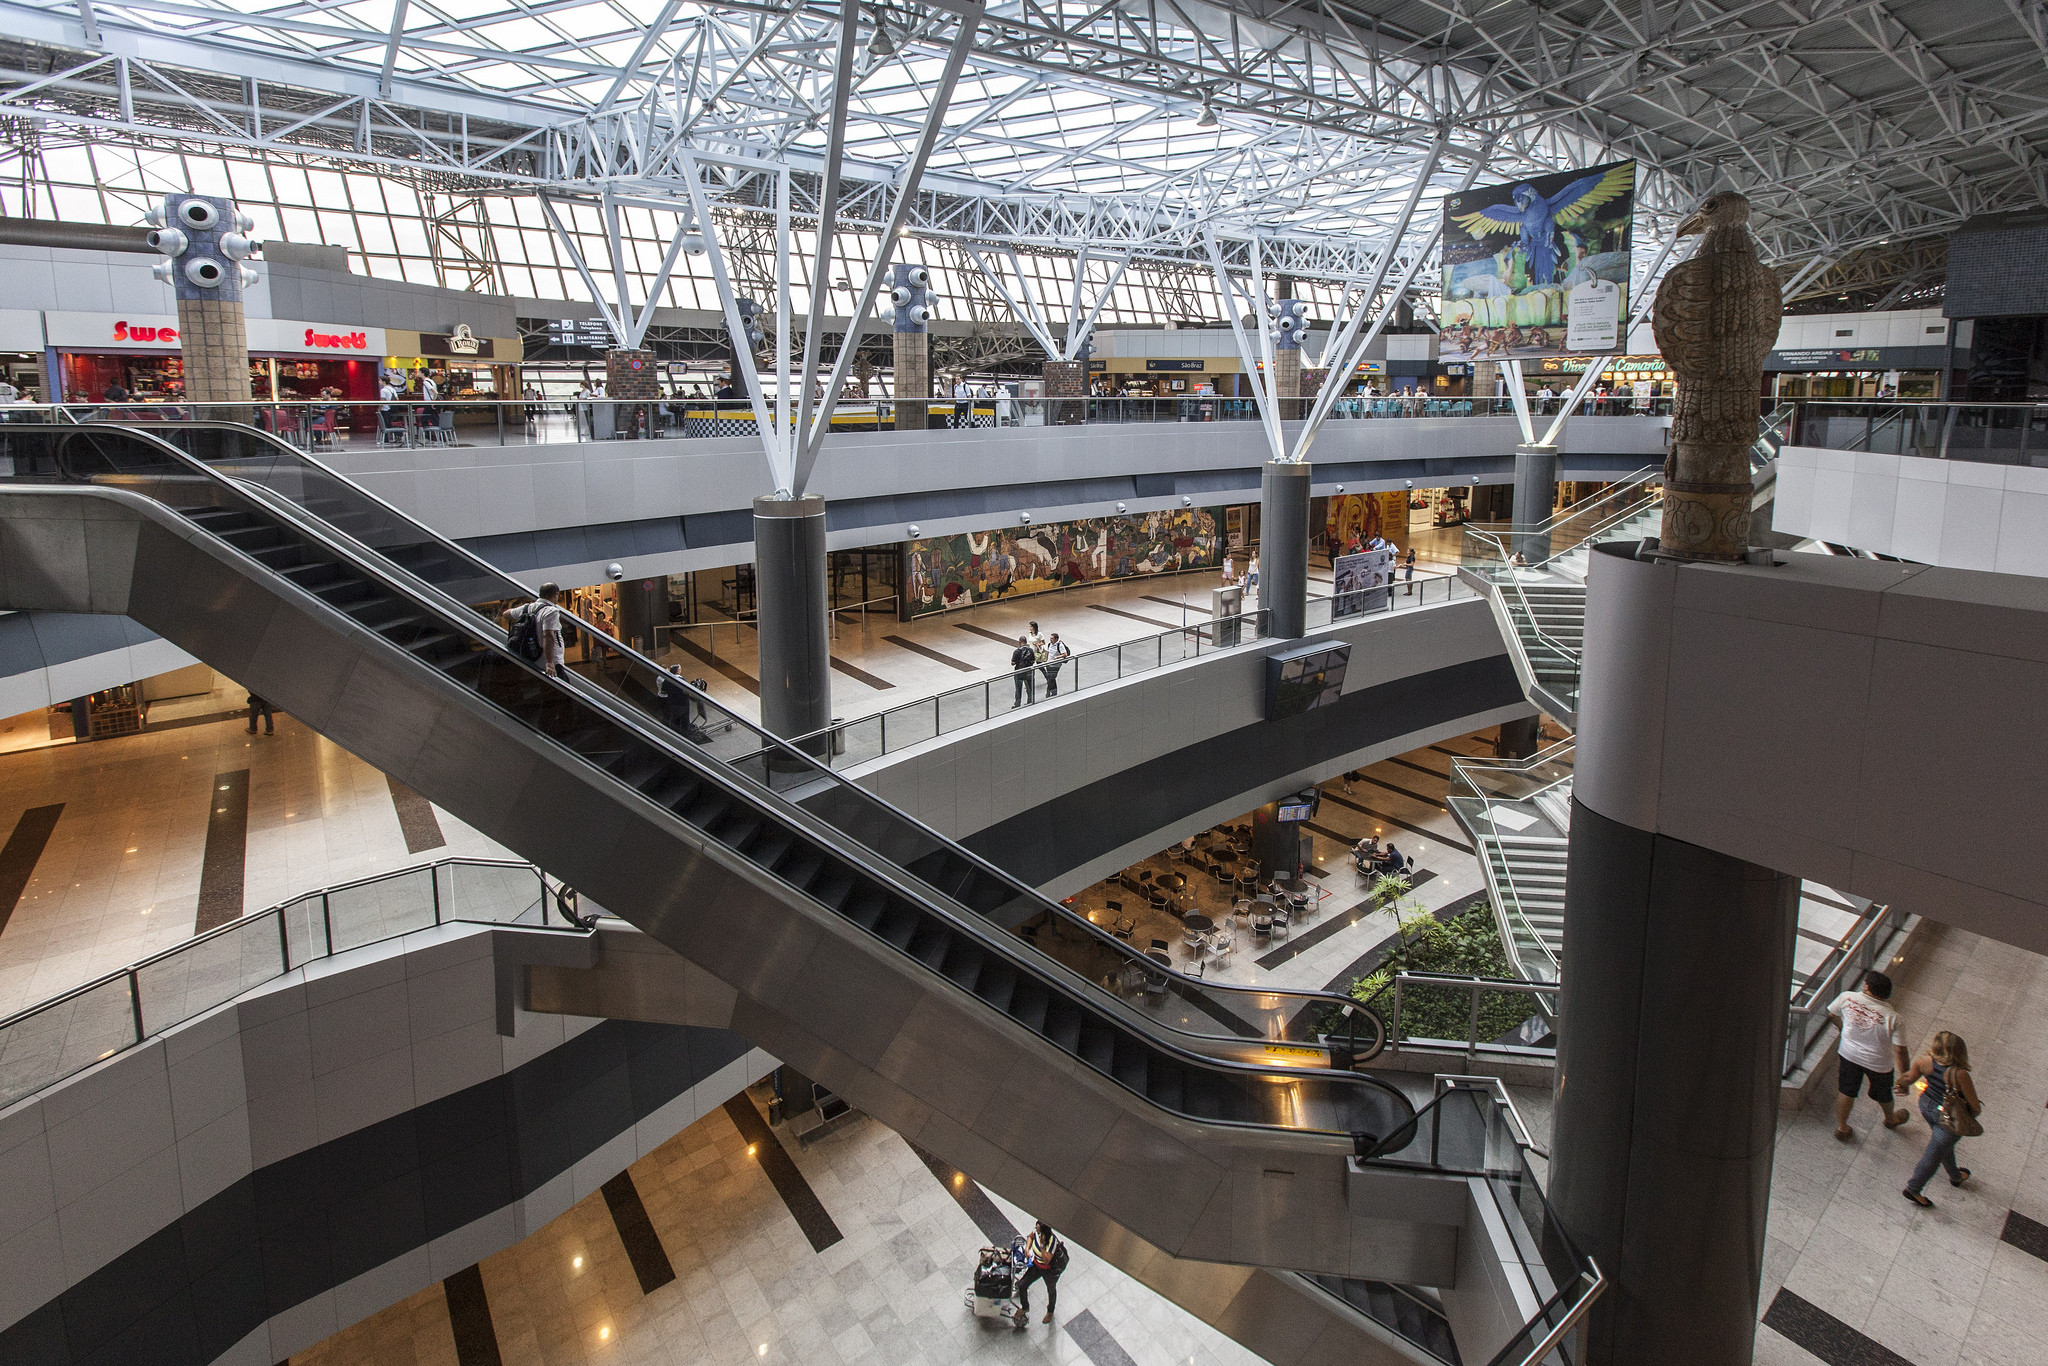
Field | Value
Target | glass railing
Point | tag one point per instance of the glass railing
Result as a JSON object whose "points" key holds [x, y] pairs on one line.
{"points": [[1495, 550], [338, 423], [50, 1041], [1982, 433], [1472, 1129], [1478, 787], [630, 692], [1843, 967], [972, 704]]}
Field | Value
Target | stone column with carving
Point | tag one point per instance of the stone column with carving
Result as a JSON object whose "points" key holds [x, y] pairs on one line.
{"points": [[910, 295], [207, 243]]}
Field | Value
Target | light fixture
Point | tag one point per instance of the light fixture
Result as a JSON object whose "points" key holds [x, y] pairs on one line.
{"points": [[1207, 118], [881, 45]]}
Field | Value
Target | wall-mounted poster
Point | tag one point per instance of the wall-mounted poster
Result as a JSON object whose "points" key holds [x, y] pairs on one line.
{"points": [[985, 566], [1367, 517], [1539, 267], [1363, 582]]}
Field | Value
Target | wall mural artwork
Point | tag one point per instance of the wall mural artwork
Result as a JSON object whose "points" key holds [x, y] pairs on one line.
{"points": [[986, 566], [1365, 517]]}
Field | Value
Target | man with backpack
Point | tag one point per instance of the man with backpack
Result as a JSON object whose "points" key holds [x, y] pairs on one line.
{"points": [[1024, 674], [536, 630], [1056, 654], [1048, 1254]]}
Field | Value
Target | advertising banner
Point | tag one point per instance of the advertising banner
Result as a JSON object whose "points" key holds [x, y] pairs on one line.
{"points": [[1364, 582], [1539, 267]]}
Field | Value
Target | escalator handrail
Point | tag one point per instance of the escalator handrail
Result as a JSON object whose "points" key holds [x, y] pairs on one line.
{"points": [[1049, 972], [769, 741]]}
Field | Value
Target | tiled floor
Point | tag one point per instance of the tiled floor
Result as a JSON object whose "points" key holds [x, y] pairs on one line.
{"points": [[120, 875], [885, 663], [749, 1287]]}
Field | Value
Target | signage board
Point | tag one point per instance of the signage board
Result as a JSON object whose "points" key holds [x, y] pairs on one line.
{"points": [[159, 332], [1539, 267], [1171, 366], [589, 332], [1860, 358], [1363, 582]]}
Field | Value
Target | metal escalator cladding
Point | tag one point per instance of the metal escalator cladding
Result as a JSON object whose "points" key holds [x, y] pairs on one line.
{"points": [[727, 804]]}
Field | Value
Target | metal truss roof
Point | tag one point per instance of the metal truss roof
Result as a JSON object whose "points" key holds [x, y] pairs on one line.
{"points": [[1856, 126]]}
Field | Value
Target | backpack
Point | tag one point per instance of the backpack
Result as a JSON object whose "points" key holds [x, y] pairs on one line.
{"points": [[526, 633]]}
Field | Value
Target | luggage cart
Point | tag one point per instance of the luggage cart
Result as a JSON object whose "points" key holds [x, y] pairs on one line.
{"points": [[994, 1292]]}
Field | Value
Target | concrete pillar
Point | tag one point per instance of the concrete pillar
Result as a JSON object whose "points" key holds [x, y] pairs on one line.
{"points": [[1066, 379], [1283, 548], [1535, 492], [643, 606], [791, 615], [1664, 1124], [913, 378], [1287, 382], [630, 377], [1519, 739], [1485, 379], [206, 239]]}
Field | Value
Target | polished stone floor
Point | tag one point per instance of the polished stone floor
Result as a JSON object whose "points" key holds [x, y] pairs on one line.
{"points": [[751, 1285]]}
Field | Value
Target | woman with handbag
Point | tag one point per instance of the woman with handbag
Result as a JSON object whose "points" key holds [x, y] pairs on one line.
{"points": [[1950, 1106]]}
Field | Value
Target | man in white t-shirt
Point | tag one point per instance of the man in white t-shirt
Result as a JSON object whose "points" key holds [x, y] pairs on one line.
{"points": [[1873, 1050]]}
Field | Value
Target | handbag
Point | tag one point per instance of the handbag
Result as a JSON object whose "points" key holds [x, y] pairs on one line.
{"points": [[1955, 1111]]}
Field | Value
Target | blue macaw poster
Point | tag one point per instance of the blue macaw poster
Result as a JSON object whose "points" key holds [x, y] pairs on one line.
{"points": [[1539, 267]]}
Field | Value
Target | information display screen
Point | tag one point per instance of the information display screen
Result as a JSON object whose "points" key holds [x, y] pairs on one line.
{"points": [[1305, 678]]}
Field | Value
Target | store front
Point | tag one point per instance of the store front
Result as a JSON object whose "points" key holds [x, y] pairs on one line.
{"points": [[1155, 377], [143, 354], [21, 350], [1859, 372], [462, 365], [1632, 382]]}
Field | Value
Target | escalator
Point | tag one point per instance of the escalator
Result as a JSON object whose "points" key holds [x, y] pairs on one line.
{"points": [[860, 946]]}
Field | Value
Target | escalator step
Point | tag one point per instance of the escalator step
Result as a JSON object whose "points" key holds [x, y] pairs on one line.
{"points": [[312, 575], [998, 985], [963, 965], [932, 942], [771, 846], [864, 908], [708, 808], [1063, 1026], [668, 786], [1128, 1064], [833, 886], [800, 869], [1027, 1006], [898, 923], [635, 765], [1098, 1046], [737, 830], [1164, 1085]]}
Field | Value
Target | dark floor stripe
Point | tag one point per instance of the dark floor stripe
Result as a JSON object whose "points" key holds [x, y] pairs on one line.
{"points": [[2026, 1235], [1094, 1340], [1445, 840], [1133, 616], [929, 653], [1410, 793], [24, 848], [987, 634], [238, 714], [643, 1245], [469, 1316], [1335, 925], [227, 849], [1827, 1337], [993, 1223], [1421, 768], [861, 675], [416, 819], [733, 672], [1169, 602], [804, 1205]]}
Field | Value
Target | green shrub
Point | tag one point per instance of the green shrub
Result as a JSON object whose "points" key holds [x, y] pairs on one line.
{"points": [[1467, 943]]}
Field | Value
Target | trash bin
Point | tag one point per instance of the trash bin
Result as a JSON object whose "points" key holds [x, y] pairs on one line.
{"points": [[838, 735]]}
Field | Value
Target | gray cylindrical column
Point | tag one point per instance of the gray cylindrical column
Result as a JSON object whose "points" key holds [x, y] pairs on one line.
{"points": [[1283, 549], [790, 607], [1535, 494], [1676, 973]]}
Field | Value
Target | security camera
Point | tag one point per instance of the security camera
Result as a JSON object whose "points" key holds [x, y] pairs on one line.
{"points": [[1187, 502], [1340, 488], [1119, 507], [1411, 483], [1025, 517], [912, 529], [169, 241], [205, 272], [694, 244], [615, 571]]}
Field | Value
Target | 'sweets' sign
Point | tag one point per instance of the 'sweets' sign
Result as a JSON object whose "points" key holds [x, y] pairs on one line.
{"points": [[123, 332], [337, 341]]}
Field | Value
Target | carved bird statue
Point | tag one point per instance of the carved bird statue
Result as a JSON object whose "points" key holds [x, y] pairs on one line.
{"points": [[1715, 320]]}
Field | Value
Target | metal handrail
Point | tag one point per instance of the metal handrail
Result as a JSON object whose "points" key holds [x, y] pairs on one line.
{"points": [[144, 1030], [1474, 985]]}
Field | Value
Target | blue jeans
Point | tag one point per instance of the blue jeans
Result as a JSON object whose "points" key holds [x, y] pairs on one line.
{"points": [[1941, 1150]]}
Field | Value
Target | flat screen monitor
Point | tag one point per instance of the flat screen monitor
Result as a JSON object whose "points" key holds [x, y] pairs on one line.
{"points": [[1305, 678], [1295, 811]]}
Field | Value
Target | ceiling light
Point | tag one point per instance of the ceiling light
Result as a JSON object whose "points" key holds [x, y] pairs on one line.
{"points": [[1208, 115], [880, 45]]}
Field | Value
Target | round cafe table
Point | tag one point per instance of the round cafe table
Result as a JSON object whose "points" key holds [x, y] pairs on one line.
{"points": [[1200, 924], [1173, 882]]}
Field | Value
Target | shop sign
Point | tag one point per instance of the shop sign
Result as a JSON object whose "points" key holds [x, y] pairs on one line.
{"points": [[124, 334], [1171, 366], [459, 342], [1096, 367], [111, 331], [336, 341], [1864, 358], [1372, 367]]}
